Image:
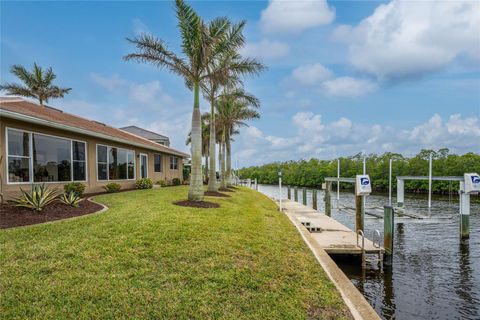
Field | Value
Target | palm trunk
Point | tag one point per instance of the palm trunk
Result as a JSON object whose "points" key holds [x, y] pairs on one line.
{"points": [[212, 176], [229, 161], [206, 167], [223, 180], [195, 192]]}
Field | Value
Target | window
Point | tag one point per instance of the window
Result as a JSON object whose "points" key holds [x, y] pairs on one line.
{"points": [[34, 157], [18, 156], [51, 159], [158, 162], [115, 163], [173, 163]]}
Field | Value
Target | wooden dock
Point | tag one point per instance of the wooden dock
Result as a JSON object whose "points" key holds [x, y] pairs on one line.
{"points": [[331, 235]]}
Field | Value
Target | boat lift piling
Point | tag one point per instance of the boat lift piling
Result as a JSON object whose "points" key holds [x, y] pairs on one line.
{"points": [[304, 196]]}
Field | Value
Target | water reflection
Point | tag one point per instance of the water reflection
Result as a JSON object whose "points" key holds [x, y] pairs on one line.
{"points": [[434, 275]]}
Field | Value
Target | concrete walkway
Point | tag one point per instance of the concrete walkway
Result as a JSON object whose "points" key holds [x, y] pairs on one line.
{"points": [[332, 236]]}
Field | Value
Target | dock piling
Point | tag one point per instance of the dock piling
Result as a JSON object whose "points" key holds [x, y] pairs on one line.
{"points": [[295, 194], [289, 193], [304, 196], [327, 199], [359, 213], [464, 212], [388, 232], [314, 199]]}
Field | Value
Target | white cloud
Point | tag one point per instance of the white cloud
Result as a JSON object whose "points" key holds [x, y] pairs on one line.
{"points": [[311, 74], [148, 93], [405, 39], [110, 83], [313, 137], [348, 86], [265, 50], [286, 16], [316, 75]]}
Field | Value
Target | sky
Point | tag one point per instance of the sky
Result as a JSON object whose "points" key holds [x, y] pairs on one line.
{"points": [[343, 76]]}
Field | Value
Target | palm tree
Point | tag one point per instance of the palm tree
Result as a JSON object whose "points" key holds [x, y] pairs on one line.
{"points": [[233, 110], [230, 65], [205, 140], [199, 47], [36, 84]]}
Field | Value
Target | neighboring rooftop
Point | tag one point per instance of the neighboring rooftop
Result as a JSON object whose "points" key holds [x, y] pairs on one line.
{"points": [[18, 108], [150, 135]]}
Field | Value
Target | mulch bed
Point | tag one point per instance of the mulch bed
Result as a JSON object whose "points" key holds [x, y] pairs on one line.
{"points": [[216, 194], [12, 216], [197, 204], [225, 190]]}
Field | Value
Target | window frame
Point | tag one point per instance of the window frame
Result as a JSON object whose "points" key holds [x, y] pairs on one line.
{"points": [[30, 157], [175, 167], [107, 163], [161, 166]]}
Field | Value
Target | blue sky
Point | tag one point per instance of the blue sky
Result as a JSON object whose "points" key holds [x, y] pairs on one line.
{"points": [[344, 76]]}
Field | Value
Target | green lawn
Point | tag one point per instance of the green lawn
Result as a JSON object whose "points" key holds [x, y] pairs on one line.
{"points": [[147, 258]]}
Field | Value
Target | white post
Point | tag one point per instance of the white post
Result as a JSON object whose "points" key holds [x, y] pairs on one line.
{"points": [[280, 189], [338, 182], [256, 184], [430, 183], [390, 184], [400, 192]]}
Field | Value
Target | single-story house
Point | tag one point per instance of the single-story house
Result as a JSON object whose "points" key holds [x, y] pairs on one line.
{"points": [[41, 144]]}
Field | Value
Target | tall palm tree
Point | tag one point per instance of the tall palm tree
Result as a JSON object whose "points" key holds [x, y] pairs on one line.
{"points": [[205, 140], [36, 84], [199, 47], [232, 112], [231, 66]]}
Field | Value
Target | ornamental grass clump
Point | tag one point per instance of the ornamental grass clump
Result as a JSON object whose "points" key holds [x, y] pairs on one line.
{"points": [[70, 199], [37, 199]]}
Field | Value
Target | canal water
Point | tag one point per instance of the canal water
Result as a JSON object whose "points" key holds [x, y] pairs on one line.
{"points": [[434, 275]]}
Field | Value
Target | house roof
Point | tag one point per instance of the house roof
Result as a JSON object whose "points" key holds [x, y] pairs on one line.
{"points": [[18, 108], [150, 135]]}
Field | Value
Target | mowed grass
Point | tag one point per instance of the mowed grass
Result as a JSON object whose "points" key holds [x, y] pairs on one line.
{"points": [[146, 258]]}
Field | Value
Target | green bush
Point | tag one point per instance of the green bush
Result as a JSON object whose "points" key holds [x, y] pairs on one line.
{"points": [[176, 181], [162, 183], [37, 199], [75, 187], [70, 199], [112, 187], [144, 183]]}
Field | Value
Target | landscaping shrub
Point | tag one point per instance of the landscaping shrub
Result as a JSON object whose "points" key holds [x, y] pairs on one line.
{"points": [[75, 187], [176, 181], [112, 187], [144, 183], [70, 199], [162, 183], [37, 199]]}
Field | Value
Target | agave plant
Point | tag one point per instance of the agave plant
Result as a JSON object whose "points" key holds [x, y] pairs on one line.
{"points": [[70, 199], [37, 199]]}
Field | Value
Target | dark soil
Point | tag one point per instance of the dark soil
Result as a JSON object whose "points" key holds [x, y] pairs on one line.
{"points": [[216, 194], [197, 204], [225, 190], [12, 216]]}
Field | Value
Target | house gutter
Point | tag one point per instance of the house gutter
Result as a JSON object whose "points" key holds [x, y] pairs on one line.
{"points": [[51, 124]]}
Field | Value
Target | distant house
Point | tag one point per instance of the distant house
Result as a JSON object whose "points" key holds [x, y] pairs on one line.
{"points": [[152, 136], [41, 144]]}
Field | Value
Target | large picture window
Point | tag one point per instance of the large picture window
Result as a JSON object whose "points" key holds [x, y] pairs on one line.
{"points": [[158, 162], [35, 157], [115, 163]]}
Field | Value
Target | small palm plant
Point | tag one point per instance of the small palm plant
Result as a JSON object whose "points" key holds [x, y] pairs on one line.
{"points": [[36, 84], [70, 199], [37, 199]]}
